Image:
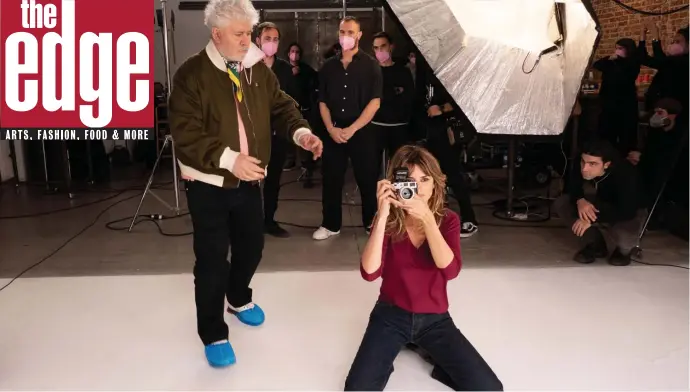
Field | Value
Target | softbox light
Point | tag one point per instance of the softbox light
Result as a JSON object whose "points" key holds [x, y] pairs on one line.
{"points": [[514, 67]]}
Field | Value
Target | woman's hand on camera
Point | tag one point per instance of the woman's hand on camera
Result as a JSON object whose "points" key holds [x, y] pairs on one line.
{"points": [[386, 196], [417, 208]]}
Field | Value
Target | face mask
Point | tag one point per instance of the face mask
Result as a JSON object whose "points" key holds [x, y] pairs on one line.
{"points": [[382, 56], [675, 50], [620, 53], [347, 43], [659, 121], [270, 48], [294, 57]]}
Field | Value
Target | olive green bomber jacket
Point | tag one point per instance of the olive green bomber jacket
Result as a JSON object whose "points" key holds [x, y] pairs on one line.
{"points": [[203, 115]]}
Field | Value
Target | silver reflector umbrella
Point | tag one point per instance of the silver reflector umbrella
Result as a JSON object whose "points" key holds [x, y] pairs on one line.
{"points": [[514, 67]]}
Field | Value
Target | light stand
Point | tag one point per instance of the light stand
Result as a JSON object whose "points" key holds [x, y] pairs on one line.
{"points": [[15, 168], [168, 138], [508, 211]]}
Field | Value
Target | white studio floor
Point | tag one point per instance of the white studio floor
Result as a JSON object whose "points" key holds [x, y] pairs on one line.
{"points": [[593, 328]]}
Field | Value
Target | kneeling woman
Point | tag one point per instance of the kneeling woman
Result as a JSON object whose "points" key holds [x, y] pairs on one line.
{"points": [[414, 247]]}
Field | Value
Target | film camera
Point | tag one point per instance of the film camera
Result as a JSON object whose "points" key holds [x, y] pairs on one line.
{"points": [[403, 184]]}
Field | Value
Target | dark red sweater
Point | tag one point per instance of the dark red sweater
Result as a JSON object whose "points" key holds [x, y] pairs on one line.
{"points": [[411, 279]]}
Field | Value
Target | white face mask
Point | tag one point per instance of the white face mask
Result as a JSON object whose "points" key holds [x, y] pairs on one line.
{"points": [[659, 121]]}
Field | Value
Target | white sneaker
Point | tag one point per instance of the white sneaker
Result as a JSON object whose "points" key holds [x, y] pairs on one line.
{"points": [[323, 233], [468, 229]]}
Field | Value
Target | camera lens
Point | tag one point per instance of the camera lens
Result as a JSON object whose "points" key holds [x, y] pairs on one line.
{"points": [[406, 193]]}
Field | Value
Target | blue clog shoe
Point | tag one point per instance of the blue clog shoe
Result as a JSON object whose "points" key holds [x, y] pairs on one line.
{"points": [[220, 354], [250, 314]]}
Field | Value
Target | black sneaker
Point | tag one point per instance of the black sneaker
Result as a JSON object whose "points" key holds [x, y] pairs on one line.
{"points": [[619, 259], [468, 229], [589, 254], [273, 229]]}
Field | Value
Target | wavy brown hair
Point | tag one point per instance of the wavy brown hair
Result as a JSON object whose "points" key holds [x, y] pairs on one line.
{"points": [[410, 156]]}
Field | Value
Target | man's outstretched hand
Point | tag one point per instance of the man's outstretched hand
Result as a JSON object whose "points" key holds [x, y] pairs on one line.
{"points": [[311, 142], [247, 168]]}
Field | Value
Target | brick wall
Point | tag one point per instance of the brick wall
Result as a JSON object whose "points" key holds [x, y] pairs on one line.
{"points": [[617, 22]]}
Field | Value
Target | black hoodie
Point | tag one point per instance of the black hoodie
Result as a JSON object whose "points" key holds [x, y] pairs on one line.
{"points": [[671, 79], [617, 192]]}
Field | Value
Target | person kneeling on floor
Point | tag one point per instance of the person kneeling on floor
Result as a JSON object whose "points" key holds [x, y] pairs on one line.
{"points": [[601, 205], [414, 247]]}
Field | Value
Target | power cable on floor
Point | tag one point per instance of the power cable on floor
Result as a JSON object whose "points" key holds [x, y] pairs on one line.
{"points": [[72, 238], [662, 265], [156, 218], [118, 192]]}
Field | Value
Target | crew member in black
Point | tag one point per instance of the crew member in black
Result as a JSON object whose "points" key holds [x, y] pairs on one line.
{"points": [[306, 84], [665, 142], [268, 39], [439, 107], [619, 114], [349, 96], [671, 79], [392, 120], [602, 203]]}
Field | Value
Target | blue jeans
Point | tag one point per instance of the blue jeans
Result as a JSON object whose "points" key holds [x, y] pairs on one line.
{"points": [[457, 363]]}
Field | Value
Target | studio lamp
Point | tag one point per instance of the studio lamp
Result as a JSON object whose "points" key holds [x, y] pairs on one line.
{"points": [[514, 67]]}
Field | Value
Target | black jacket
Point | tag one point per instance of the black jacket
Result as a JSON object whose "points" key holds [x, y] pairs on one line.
{"points": [[618, 82], [306, 85], [617, 192], [671, 79], [283, 71], [397, 97]]}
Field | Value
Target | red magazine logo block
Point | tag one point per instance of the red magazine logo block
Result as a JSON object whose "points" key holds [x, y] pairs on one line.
{"points": [[76, 64]]}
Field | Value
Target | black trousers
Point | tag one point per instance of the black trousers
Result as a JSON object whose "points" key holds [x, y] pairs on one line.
{"points": [[279, 148], [222, 219], [449, 160], [392, 137], [364, 151], [457, 362], [306, 157], [622, 235]]}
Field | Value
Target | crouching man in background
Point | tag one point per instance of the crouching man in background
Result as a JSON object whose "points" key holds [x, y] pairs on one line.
{"points": [[224, 105], [601, 205]]}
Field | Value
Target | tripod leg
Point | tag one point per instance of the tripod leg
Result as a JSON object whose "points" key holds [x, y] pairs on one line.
{"points": [[15, 169], [89, 161], [176, 180], [148, 184], [45, 165], [668, 176], [511, 177]]}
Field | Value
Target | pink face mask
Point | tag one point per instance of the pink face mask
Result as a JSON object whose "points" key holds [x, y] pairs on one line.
{"points": [[675, 50], [620, 52], [347, 43], [382, 56], [293, 57], [269, 48]]}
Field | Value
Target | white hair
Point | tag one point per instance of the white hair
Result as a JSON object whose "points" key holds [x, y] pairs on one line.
{"points": [[219, 12]]}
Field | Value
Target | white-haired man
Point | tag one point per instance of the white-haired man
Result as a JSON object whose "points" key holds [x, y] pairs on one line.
{"points": [[224, 105]]}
